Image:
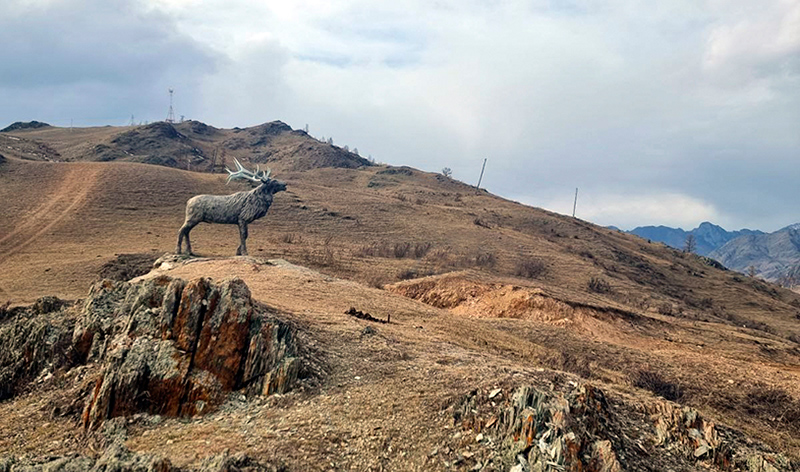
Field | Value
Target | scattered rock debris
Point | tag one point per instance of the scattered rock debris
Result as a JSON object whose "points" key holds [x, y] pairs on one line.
{"points": [[580, 429], [366, 316]]}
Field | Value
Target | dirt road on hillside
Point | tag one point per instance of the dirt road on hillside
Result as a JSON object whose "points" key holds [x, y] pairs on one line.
{"points": [[70, 195]]}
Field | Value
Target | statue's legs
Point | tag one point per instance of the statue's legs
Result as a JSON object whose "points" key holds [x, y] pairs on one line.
{"points": [[242, 249]]}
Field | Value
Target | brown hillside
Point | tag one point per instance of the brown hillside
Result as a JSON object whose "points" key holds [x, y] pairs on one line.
{"points": [[499, 279], [189, 145]]}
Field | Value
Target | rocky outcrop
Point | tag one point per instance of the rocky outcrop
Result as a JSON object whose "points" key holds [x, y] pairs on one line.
{"points": [[177, 348], [24, 125], [162, 346], [579, 429], [33, 339]]}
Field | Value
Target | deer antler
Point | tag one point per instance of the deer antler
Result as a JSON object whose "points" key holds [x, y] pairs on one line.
{"points": [[242, 173]]}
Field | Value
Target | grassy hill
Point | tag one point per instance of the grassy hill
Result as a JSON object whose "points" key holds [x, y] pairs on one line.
{"points": [[538, 288]]}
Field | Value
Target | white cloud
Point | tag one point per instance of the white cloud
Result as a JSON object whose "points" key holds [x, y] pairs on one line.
{"points": [[629, 211]]}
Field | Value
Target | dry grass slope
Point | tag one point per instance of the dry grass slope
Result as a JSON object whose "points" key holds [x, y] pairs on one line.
{"points": [[502, 279]]}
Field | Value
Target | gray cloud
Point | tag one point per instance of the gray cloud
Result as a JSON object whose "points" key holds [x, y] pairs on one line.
{"points": [[92, 61], [672, 113]]}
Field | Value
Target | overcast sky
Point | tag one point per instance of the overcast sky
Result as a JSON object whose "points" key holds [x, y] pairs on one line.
{"points": [[671, 112]]}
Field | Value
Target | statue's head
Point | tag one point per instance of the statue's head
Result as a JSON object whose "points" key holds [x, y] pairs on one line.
{"points": [[275, 186], [259, 176]]}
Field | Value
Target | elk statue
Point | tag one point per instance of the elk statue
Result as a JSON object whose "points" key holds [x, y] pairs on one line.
{"points": [[241, 208]]}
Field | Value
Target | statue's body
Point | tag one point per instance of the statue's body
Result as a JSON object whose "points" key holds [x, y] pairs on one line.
{"points": [[240, 208]]}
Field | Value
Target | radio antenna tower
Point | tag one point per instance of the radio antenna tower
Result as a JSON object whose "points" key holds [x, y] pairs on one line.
{"points": [[171, 114]]}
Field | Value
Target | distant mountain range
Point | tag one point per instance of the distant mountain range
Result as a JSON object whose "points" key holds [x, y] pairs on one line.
{"points": [[708, 236], [773, 256]]}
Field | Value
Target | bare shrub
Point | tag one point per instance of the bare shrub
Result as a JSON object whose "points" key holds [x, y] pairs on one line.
{"points": [[654, 382], [325, 257], [407, 274], [666, 309], [598, 285], [291, 238], [401, 250], [421, 249], [486, 260], [706, 303], [568, 362], [398, 250], [765, 402], [376, 280], [530, 267], [481, 223]]}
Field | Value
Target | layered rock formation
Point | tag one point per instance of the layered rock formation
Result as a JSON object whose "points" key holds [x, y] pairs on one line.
{"points": [[533, 429], [163, 346]]}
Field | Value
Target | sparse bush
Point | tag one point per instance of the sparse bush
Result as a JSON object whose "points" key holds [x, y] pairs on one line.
{"points": [[420, 249], [398, 250], [481, 223], [598, 285], [568, 362], [291, 238], [376, 281], [407, 274], [773, 403], [401, 250], [325, 257], [586, 254], [447, 172], [666, 309], [530, 268], [706, 303], [652, 381], [486, 260]]}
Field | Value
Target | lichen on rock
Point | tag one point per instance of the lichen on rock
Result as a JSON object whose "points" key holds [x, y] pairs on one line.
{"points": [[163, 346], [177, 348]]}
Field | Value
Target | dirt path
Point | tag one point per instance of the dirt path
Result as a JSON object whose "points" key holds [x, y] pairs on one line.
{"points": [[68, 197]]}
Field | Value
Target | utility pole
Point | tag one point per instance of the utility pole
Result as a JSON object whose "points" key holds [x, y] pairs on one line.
{"points": [[481, 177], [171, 113], [575, 205]]}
